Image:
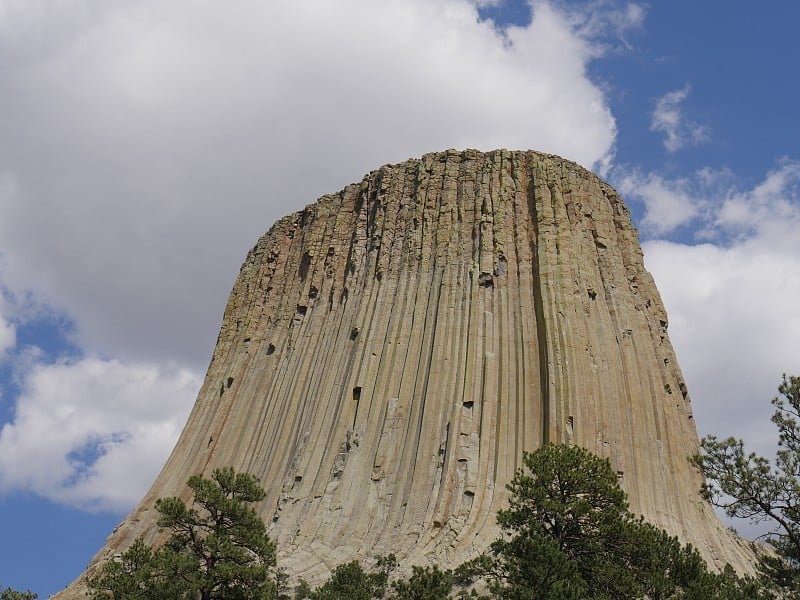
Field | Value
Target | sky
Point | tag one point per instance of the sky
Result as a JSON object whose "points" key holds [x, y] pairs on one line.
{"points": [[145, 145]]}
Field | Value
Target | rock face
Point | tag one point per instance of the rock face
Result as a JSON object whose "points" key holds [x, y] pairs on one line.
{"points": [[388, 353]]}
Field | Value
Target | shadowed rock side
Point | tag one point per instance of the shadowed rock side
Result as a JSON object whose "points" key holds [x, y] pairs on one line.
{"points": [[388, 353]]}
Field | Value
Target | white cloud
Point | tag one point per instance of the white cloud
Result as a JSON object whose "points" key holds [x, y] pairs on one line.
{"points": [[668, 118], [711, 202], [94, 433], [8, 336], [770, 211], [669, 204], [8, 330], [150, 143]]}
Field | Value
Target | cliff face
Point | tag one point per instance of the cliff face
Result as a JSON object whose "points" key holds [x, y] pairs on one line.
{"points": [[388, 353]]}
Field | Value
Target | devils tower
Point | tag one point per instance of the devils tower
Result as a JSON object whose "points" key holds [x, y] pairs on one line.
{"points": [[388, 353]]}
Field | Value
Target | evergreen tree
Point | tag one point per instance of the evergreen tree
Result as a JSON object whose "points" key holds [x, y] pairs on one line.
{"points": [[351, 582], [218, 548], [748, 486], [566, 527], [569, 534], [429, 583], [10, 594]]}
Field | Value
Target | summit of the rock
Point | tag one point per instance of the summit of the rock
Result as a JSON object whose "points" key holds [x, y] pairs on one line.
{"points": [[388, 353]]}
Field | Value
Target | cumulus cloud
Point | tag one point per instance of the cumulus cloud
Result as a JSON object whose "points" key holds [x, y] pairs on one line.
{"points": [[668, 204], [712, 203], [668, 118], [770, 211], [93, 433], [148, 144], [732, 304]]}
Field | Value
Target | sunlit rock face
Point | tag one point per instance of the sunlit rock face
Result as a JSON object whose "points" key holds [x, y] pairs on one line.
{"points": [[388, 353]]}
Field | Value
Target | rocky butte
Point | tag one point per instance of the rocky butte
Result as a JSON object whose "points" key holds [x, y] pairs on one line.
{"points": [[388, 353]]}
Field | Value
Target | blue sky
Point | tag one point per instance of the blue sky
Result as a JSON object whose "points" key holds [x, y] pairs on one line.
{"points": [[145, 145]]}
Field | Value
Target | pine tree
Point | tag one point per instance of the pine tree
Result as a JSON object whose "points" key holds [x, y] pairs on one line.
{"points": [[747, 486], [569, 534], [218, 548], [428, 583]]}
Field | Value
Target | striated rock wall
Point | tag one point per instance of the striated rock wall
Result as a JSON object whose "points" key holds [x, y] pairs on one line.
{"points": [[387, 354]]}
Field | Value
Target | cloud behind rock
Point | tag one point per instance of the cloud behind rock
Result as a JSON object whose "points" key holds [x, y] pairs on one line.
{"points": [[149, 144], [152, 144]]}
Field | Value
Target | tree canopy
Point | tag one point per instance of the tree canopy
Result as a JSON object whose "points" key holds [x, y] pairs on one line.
{"points": [[11, 594], [748, 486], [428, 583], [218, 548], [569, 535]]}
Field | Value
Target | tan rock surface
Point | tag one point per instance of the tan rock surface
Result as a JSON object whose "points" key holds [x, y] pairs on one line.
{"points": [[387, 354]]}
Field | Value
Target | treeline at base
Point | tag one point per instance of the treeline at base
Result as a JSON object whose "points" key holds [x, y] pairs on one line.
{"points": [[567, 534]]}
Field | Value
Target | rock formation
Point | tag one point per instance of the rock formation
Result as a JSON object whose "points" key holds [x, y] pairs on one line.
{"points": [[388, 353]]}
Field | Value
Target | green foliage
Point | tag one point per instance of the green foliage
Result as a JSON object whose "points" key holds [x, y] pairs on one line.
{"points": [[565, 526], [9, 594], [350, 582], [218, 548], [728, 586], [569, 535], [135, 575], [282, 585], [303, 590], [747, 486], [566, 518], [429, 583], [480, 567]]}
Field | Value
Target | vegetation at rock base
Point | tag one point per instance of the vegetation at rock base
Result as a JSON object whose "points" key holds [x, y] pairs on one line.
{"points": [[568, 534], [9, 594], [428, 583], [351, 582], [747, 486], [218, 548]]}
